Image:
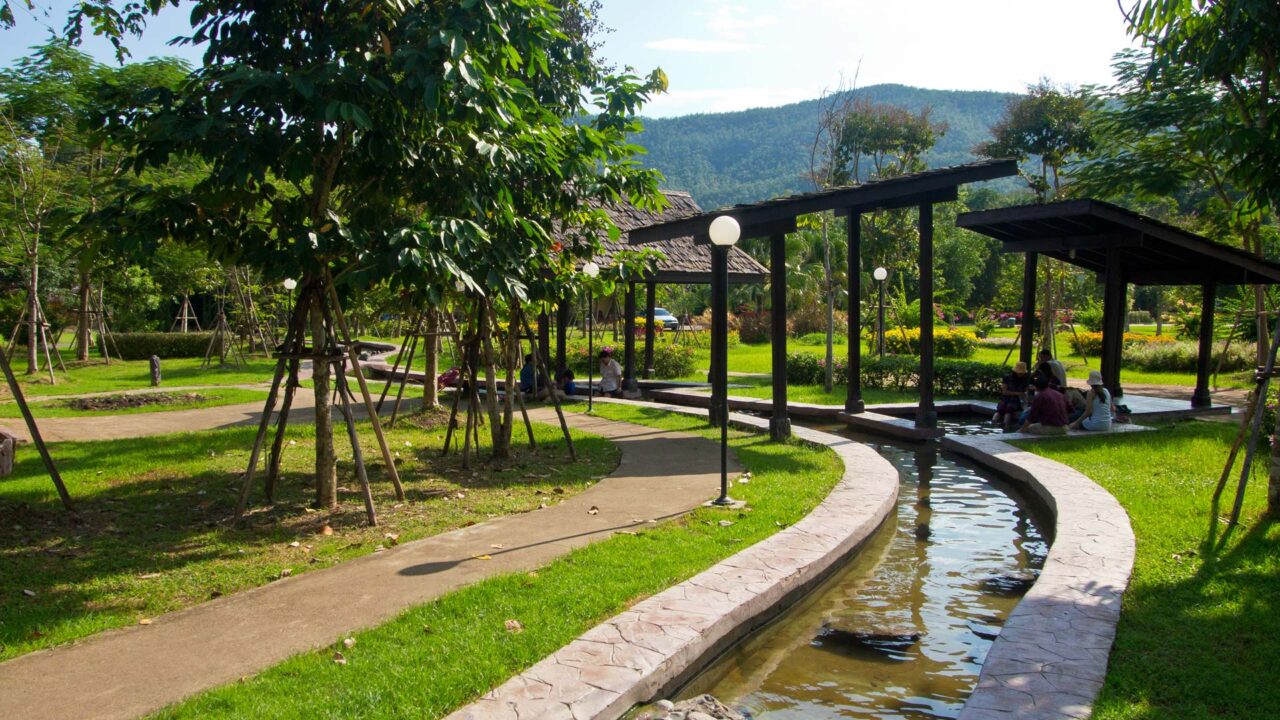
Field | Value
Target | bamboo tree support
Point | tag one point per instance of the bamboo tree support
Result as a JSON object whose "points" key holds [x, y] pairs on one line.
{"points": [[357, 455], [374, 420], [395, 368], [104, 328], [186, 316], [294, 347], [1255, 424], [265, 420], [49, 466], [555, 399]]}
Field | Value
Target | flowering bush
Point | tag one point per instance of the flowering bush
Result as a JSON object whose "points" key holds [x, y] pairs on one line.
{"points": [[1090, 343], [946, 342], [950, 377]]}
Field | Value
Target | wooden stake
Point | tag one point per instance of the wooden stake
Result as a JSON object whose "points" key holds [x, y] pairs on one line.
{"points": [[395, 368], [30, 420], [374, 420], [555, 399], [1255, 425], [357, 455], [267, 409], [404, 379]]}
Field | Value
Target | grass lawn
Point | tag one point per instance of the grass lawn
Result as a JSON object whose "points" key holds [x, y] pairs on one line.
{"points": [[53, 408], [95, 376], [441, 655], [157, 535], [1201, 619]]}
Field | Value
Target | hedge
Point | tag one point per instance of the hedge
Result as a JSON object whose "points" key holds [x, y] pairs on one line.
{"points": [[1090, 343], [142, 345], [902, 373], [946, 342], [669, 359]]}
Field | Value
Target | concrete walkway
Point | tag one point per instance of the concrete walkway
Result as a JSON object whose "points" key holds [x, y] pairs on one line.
{"points": [[132, 671]]}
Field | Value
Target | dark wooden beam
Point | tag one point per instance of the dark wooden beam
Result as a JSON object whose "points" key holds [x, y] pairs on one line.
{"points": [[1201, 398], [926, 413], [629, 342], [1113, 310], [853, 396], [871, 194], [1068, 243], [950, 194], [779, 423], [650, 297], [758, 230], [1028, 307]]}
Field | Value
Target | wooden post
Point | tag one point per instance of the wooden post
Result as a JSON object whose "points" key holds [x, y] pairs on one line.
{"points": [[779, 423], [544, 346], [392, 472], [926, 413], [1025, 352], [629, 342], [563, 309], [650, 298], [21, 401], [853, 399], [1113, 312], [1201, 398]]}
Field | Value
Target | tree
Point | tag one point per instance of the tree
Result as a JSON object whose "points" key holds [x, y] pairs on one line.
{"points": [[1047, 125], [421, 145]]}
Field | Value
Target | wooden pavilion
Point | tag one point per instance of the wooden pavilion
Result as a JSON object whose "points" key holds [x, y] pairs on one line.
{"points": [[1122, 248], [683, 262], [775, 218]]}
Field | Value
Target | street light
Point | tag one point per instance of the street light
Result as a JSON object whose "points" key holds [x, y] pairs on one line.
{"points": [[880, 274], [724, 233], [591, 270], [290, 285]]}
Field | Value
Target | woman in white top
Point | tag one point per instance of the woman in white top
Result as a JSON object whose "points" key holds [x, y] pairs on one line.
{"points": [[610, 373], [1097, 410]]}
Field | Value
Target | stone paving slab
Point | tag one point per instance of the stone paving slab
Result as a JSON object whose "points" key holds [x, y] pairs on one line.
{"points": [[648, 649], [137, 670], [1050, 658]]}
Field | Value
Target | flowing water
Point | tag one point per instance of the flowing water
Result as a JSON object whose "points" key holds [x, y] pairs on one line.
{"points": [[902, 630]]}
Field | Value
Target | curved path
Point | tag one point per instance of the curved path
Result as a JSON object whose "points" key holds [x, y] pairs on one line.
{"points": [[136, 670]]}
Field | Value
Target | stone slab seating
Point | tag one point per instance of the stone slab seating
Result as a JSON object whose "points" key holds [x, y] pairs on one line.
{"points": [[653, 647], [1050, 658]]}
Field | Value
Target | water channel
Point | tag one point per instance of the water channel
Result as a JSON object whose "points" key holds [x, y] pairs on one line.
{"points": [[902, 629]]}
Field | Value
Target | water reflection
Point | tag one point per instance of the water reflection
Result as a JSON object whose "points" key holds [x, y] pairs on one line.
{"points": [[902, 630]]}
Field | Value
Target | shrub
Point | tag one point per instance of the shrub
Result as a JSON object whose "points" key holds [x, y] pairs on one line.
{"points": [[669, 359], [142, 345], [819, 339], [1090, 343], [946, 342], [1182, 356], [812, 318], [902, 373], [1090, 318], [754, 328], [1139, 317]]}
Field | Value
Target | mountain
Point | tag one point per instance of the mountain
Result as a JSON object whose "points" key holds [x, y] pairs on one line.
{"points": [[750, 155]]}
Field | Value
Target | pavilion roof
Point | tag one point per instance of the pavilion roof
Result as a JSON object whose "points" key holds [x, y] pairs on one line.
{"points": [[683, 261], [1087, 233]]}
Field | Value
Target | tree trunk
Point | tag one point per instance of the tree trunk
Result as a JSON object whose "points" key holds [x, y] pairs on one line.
{"points": [[33, 315], [430, 392], [326, 459], [82, 322]]}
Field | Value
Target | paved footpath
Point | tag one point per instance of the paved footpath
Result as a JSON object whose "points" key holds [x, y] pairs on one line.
{"points": [[136, 670]]}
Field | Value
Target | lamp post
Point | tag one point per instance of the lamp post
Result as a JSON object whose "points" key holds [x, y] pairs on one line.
{"points": [[880, 274], [591, 270], [724, 233], [290, 285]]}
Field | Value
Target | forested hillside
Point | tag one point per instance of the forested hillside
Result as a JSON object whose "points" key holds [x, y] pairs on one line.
{"points": [[736, 157]]}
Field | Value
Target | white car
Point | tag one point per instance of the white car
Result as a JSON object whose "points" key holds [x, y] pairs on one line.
{"points": [[666, 319]]}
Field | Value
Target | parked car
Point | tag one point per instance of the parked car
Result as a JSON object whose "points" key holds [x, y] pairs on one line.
{"points": [[666, 319]]}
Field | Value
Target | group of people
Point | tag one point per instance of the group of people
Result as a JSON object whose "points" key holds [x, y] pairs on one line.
{"points": [[1040, 402], [532, 383]]}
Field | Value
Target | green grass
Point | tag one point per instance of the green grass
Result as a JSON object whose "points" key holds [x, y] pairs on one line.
{"points": [[55, 408], [1201, 619], [157, 534], [439, 656], [95, 376]]}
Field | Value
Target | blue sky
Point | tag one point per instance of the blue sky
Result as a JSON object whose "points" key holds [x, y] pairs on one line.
{"points": [[723, 55]]}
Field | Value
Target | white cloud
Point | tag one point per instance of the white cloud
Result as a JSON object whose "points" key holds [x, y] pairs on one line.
{"points": [[694, 45], [734, 22]]}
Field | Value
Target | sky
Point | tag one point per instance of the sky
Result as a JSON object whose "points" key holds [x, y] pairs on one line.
{"points": [[725, 55]]}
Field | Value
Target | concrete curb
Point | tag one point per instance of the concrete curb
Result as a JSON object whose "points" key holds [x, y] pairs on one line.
{"points": [[653, 647], [1050, 659]]}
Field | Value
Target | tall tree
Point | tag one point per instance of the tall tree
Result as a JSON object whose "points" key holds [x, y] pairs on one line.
{"points": [[1046, 126]]}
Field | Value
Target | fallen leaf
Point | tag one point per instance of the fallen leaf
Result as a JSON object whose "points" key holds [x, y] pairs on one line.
{"points": [[558, 490], [29, 593], [339, 658], [481, 557], [286, 572], [497, 546], [326, 530], [149, 576], [379, 549], [349, 643], [215, 594], [726, 523], [542, 506], [295, 543], [144, 621], [625, 532], [514, 626], [594, 510], [392, 538]]}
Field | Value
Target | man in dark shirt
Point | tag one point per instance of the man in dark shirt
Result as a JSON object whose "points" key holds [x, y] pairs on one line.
{"points": [[1048, 413]]}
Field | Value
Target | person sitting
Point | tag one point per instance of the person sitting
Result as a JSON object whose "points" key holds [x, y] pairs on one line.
{"points": [[567, 384], [610, 374], [1012, 389], [527, 375], [1075, 402], [1048, 412], [1097, 414], [1055, 367]]}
